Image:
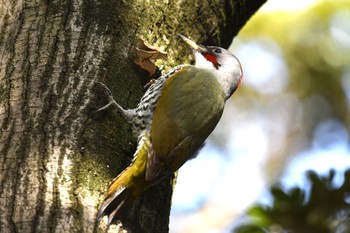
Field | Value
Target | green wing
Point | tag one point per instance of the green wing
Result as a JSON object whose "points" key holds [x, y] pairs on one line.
{"points": [[187, 111]]}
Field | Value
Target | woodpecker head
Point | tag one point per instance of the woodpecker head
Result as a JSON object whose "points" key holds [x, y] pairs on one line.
{"points": [[222, 63]]}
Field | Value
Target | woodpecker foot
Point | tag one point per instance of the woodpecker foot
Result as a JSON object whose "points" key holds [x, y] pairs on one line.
{"points": [[127, 114], [110, 98], [149, 83]]}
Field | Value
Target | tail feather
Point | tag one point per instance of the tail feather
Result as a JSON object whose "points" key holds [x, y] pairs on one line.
{"points": [[118, 195], [126, 186], [125, 199], [113, 204]]}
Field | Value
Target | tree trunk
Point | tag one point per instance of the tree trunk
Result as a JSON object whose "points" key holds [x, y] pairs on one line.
{"points": [[57, 155]]}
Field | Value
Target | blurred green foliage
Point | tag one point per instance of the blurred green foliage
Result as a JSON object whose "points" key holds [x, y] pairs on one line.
{"points": [[324, 208], [315, 45]]}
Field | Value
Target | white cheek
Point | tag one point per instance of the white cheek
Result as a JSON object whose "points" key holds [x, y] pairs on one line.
{"points": [[201, 62]]}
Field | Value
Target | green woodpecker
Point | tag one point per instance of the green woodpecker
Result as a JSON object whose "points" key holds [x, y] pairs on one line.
{"points": [[173, 119]]}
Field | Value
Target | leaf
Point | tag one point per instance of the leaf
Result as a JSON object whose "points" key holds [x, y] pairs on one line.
{"points": [[146, 55]]}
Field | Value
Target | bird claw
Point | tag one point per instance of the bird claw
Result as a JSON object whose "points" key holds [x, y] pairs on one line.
{"points": [[127, 114], [104, 107], [110, 98], [152, 81]]}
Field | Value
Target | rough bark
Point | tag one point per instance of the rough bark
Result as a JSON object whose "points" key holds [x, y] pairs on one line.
{"points": [[57, 155]]}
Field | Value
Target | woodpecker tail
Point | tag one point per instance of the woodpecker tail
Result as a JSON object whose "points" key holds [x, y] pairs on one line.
{"points": [[127, 185], [117, 196]]}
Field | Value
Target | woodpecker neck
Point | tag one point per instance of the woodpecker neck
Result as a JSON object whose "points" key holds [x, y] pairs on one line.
{"points": [[226, 68]]}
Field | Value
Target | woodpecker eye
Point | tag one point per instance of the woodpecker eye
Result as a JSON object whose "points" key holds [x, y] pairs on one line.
{"points": [[217, 50]]}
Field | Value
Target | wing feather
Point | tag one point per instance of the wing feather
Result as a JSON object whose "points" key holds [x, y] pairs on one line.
{"points": [[186, 113]]}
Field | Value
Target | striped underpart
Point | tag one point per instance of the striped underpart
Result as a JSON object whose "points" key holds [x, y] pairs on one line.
{"points": [[142, 119]]}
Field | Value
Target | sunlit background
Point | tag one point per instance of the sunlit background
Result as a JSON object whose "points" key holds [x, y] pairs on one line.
{"points": [[290, 115]]}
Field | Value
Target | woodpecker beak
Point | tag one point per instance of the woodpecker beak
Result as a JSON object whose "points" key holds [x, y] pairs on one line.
{"points": [[192, 44]]}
